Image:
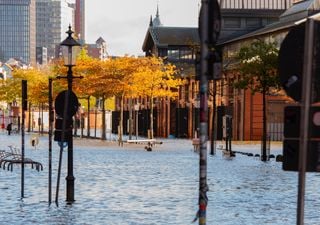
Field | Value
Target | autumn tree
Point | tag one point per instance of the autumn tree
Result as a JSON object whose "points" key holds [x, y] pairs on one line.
{"points": [[156, 79], [258, 72], [122, 83], [37, 86]]}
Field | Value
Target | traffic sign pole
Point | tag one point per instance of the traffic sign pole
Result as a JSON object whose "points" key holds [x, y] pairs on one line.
{"points": [[305, 112], [204, 65]]}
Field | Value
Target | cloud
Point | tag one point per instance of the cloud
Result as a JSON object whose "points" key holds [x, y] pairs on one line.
{"points": [[123, 24]]}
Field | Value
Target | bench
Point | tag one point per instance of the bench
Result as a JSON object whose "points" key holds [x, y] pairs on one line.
{"points": [[149, 143], [8, 159]]}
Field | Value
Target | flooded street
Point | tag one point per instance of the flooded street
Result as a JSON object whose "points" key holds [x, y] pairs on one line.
{"points": [[131, 186]]}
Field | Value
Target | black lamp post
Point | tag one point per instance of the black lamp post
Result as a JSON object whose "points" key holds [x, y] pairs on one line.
{"points": [[69, 46]]}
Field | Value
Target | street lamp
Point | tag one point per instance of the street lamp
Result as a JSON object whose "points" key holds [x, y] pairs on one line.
{"points": [[69, 47]]}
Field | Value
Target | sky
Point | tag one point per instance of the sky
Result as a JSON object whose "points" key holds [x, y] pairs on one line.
{"points": [[123, 23]]}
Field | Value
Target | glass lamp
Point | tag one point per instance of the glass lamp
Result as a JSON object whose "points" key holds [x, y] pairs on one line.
{"points": [[70, 49]]}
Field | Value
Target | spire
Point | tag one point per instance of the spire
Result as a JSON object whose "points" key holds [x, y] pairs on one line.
{"points": [[156, 21], [157, 15]]}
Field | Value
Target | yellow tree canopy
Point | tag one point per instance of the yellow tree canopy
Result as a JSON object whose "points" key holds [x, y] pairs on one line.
{"points": [[154, 78], [37, 85]]}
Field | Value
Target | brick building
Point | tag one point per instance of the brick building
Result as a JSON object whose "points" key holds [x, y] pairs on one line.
{"points": [[242, 22]]}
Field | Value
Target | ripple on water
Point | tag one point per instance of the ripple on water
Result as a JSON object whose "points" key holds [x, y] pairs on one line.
{"points": [[135, 187]]}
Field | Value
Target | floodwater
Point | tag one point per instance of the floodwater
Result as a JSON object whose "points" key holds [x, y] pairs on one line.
{"points": [[130, 186]]}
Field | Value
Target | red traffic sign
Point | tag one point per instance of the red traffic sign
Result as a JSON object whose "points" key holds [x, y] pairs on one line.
{"points": [[60, 104]]}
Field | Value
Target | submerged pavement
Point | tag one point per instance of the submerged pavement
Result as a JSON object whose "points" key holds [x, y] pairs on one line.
{"points": [[128, 185]]}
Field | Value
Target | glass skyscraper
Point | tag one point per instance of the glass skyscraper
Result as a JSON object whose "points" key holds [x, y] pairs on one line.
{"points": [[53, 19], [17, 34]]}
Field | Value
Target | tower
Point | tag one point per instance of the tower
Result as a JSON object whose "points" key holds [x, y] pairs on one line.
{"points": [[156, 21], [18, 30], [53, 19], [80, 20]]}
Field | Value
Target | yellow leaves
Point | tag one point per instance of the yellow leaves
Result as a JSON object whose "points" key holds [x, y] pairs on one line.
{"points": [[156, 79], [125, 76], [37, 85]]}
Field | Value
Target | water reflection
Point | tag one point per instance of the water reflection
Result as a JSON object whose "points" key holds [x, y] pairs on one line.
{"points": [[131, 186]]}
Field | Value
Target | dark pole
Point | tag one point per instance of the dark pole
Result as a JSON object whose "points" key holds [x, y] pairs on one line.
{"points": [[24, 107], [70, 178], [29, 117], [203, 186], [213, 134], [305, 112], [69, 43], [50, 141]]}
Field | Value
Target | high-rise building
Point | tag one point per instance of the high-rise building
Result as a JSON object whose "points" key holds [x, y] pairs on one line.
{"points": [[18, 30], [80, 20], [53, 19]]}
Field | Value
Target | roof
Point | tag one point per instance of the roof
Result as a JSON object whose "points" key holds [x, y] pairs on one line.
{"points": [[165, 36], [156, 21], [299, 7], [288, 19], [100, 40]]}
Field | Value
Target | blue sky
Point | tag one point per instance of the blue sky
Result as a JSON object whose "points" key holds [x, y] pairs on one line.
{"points": [[123, 23]]}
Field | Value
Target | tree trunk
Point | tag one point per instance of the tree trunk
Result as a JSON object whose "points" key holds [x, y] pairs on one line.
{"points": [[130, 119], [151, 117], [29, 118], [264, 132], [103, 133], [42, 106], [88, 121], [95, 122], [39, 119], [121, 121]]}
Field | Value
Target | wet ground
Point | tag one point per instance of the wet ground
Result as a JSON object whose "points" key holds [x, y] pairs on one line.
{"points": [[128, 185]]}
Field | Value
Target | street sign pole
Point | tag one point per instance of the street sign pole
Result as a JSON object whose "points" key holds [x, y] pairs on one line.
{"points": [[204, 65], [209, 29], [24, 108], [50, 142], [305, 109]]}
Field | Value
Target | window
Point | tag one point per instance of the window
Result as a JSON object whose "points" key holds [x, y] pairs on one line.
{"points": [[185, 54], [232, 22], [173, 54], [253, 22]]}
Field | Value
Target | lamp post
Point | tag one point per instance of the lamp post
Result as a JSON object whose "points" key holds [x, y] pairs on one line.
{"points": [[69, 54]]}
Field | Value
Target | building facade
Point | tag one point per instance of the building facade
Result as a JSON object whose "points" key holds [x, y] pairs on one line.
{"points": [[178, 45], [80, 30], [98, 50], [18, 30], [247, 108], [53, 18], [242, 22]]}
